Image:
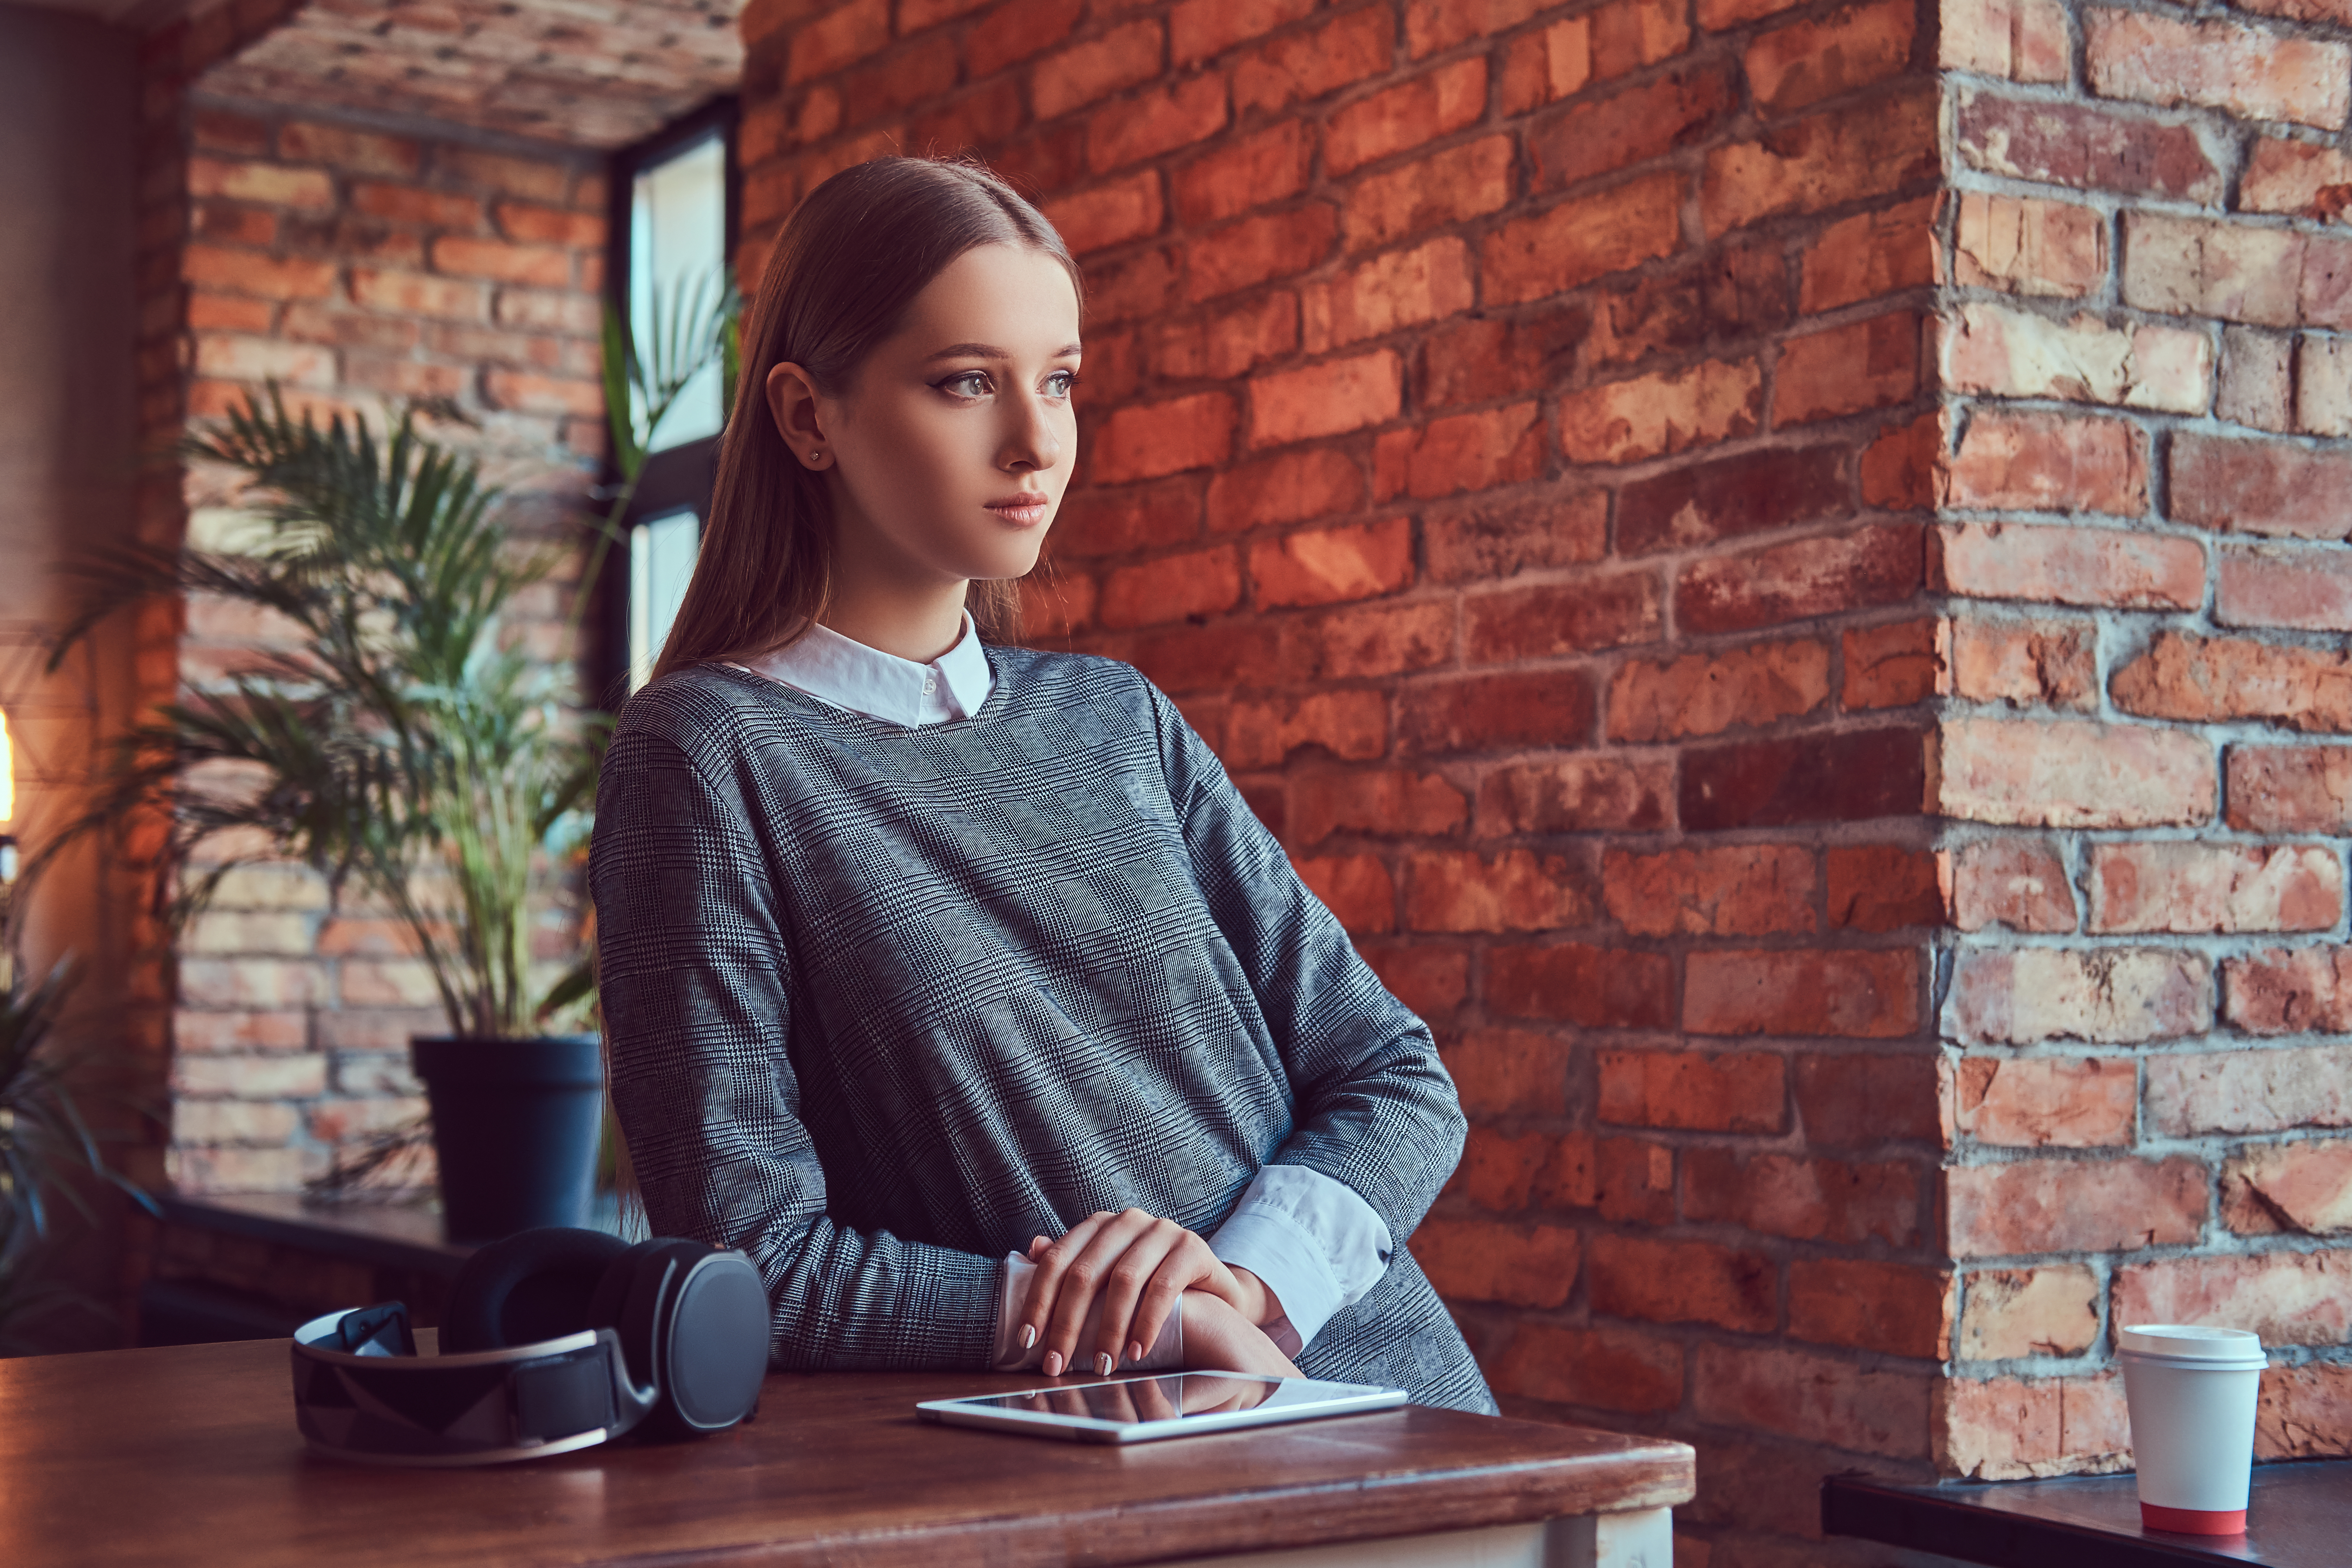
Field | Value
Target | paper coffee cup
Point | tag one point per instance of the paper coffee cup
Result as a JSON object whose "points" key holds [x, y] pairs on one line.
{"points": [[2191, 1392]]}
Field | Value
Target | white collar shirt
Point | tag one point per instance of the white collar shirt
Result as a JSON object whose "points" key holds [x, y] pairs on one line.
{"points": [[846, 673]]}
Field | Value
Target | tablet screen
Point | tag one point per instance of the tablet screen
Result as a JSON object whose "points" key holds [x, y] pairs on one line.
{"points": [[1166, 1397]]}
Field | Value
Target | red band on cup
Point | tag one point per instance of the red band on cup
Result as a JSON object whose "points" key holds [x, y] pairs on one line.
{"points": [[2194, 1521]]}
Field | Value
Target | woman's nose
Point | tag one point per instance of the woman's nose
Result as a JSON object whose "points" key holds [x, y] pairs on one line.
{"points": [[1033, 442]]}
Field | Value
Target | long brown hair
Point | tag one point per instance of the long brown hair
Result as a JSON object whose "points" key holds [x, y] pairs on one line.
{"points": [[849, 262]]}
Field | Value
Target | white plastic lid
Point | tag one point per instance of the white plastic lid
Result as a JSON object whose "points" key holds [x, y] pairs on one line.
{"points": [[2185, 1342]]}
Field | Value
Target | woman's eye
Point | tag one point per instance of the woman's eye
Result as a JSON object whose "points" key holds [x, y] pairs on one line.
{"points": [[1059, 383], [971, 383]]}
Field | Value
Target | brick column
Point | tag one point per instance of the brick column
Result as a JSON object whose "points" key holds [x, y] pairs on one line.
{"points": [[171, 60], [2145, 500], [1508, 437], [355, 267]]}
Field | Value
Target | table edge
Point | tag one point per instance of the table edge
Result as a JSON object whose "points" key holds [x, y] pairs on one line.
{"points": [[1123, 1536], [1864, 1509], [443, 1259]]}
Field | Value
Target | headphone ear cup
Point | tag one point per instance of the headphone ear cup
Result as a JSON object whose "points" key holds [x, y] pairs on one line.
{"points": [[648, 1315], [534, 1285], [715, 1361], [627, 1295]]}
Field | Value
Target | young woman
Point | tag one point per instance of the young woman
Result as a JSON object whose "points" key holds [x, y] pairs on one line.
{"points": [[953, 981]]}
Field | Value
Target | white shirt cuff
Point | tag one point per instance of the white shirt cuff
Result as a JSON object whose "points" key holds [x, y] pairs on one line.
{"points": [[1165, 1352], [1313, 1241]]}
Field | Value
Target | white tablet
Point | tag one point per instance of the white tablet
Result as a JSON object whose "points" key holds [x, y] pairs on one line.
{"points": [[1163, 1404]]}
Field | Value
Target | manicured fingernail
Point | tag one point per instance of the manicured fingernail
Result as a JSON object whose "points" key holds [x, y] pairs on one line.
{"points": [[1102, 1364], [1053, 1363], [1028, 1336], [1135, 1350]]}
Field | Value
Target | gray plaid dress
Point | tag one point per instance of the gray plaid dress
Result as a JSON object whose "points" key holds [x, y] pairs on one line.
{"points": [[885, 1002]]}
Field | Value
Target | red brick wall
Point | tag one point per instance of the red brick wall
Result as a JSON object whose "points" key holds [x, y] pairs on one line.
{"points": [[355, 267], [1504, 438], [2144, 508]]}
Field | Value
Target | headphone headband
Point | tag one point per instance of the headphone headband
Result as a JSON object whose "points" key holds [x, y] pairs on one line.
{"points": [[481, 1407]]}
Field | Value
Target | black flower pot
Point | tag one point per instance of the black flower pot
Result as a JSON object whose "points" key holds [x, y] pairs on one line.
{"points": [[515, 1124]]}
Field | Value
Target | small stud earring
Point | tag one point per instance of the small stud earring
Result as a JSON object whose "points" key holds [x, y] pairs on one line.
{"points": [[815, 457]]}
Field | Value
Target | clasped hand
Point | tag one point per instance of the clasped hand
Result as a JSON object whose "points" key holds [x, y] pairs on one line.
{"points": [[1141, 1265]]}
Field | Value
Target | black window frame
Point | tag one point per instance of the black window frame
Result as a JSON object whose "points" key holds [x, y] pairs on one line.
{"points": [[684, 475]]}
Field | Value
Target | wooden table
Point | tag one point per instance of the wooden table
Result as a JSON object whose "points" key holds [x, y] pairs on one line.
{"points": [[2300, 1516], [188, 1454]]}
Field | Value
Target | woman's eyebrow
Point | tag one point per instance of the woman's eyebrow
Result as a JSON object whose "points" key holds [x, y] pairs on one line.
{"points": [[990, 351]]}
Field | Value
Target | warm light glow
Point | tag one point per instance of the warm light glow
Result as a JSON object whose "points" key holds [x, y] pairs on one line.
{"points": [[7, 773]]}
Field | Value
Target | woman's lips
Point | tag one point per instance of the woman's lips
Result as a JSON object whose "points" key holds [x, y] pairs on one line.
{"points": [[1024, 510]]}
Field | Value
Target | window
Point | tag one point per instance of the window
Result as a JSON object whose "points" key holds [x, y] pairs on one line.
{"points": [[673, 227], [662, 551], [677, 238]]}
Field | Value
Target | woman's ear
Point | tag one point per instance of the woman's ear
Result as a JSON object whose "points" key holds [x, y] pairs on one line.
{"points": [[793, 403]]}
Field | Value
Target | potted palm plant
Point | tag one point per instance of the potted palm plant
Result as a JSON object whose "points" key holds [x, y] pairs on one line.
{"points": [[404, 741], [400, 741]]}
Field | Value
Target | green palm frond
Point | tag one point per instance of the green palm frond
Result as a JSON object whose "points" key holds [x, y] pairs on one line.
{"points": [[396, 742], [621, 375], [578, 985], [730, 360], [690, 326], [42, 1132]]}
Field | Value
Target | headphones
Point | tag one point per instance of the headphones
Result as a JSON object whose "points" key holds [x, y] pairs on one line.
{"points": [[552, 1339]]}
